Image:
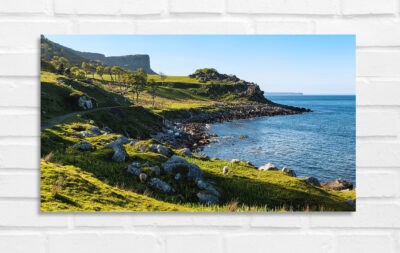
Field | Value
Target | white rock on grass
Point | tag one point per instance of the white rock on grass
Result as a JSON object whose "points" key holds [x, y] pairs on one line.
{"points": [[268, 166], [225, 170]]}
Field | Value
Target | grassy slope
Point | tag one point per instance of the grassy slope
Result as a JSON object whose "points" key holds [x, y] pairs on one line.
{"points": [[57, 95], [252, 189], [69, 189]]}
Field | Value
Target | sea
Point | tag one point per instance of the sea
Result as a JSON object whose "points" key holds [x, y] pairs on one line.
{"points": [[320, 143]]}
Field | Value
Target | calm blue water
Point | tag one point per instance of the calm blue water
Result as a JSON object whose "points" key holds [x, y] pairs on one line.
{"points": [[320, 143]]}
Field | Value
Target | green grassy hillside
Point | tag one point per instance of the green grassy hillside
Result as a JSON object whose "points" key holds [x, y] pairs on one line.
{"points": [[74, 180]]}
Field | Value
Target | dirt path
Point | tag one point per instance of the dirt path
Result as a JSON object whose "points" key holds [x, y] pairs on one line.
{"points": [[57, 120]]}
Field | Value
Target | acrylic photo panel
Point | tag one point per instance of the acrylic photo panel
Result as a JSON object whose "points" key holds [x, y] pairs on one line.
{"points": [[197, 123]]}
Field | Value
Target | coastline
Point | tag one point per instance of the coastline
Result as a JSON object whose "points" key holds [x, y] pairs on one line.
{"points": [[194, 131]]}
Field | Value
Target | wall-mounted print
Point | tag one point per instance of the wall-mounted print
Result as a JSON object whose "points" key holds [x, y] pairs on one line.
{"points": [[197, 123]]}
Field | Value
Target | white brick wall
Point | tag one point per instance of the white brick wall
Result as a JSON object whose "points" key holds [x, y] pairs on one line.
{"points": [[375, 227]]}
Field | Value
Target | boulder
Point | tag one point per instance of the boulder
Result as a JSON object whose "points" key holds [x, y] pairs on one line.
{"points": [[268, 166], [338, 185], [208, 187], [142, 177], [86, 134], [186, 152], [95, 131], [235, 161], [160, 185], [153, 148], [85, 102], [163, 150], [134, 169], [313, 181], [207, 199], [289, 172], [225, 170], [83, 145], [107, 129], [119, 149], [178, 176], [155, 170], [177, 164], [204, 157]]}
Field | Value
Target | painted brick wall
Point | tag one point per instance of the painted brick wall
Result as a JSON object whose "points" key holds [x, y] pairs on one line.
{"points": [[375, 227]]}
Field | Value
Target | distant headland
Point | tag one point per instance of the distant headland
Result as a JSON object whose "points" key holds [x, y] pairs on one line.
{"points": [[283, 93]]}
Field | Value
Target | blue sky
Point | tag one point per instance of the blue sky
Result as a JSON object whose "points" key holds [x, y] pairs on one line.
{"points": [[312, 64]]}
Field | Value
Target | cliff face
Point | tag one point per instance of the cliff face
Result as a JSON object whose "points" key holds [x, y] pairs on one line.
{"points": [[131, 62]]}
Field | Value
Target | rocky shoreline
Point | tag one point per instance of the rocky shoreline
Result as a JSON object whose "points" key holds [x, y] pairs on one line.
{"points": [[192, 132]]}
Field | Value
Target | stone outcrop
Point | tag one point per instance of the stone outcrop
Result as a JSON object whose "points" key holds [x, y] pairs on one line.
{"points": [[119, 149], [161, 185], [338, 185], [177, 164], [83, 145]]}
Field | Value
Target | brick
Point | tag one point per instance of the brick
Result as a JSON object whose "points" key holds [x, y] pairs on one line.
{"points": [[283, 27], [373, 32], [199, 220], [26, 33], [368, 215], [22, 243], [378, 154], [19, 185], [10, 156], [377, 184], [15, 124], [87, 7], [142, 7], [200, 6], [182, 27], [193, 243], [19, 64], [117, 7], [99, 220], [351, 7], [27, 90], [377, 122], [26, 214], [365, 243], [317, 7], [101, 242], [277, 220], [378, 93], [278, 242], [105, 27], [378, 63], [22, 6]]}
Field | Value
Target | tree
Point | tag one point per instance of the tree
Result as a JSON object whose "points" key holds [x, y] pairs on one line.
{"points": [[100, 71], [162, 77], [74, 71], [107, 70], [60, 63], [153, 89], [86, 68], [138, 81], [80, 75]]}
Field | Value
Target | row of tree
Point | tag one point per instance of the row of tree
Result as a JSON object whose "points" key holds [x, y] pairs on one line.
{"points": [[135, 82]]}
